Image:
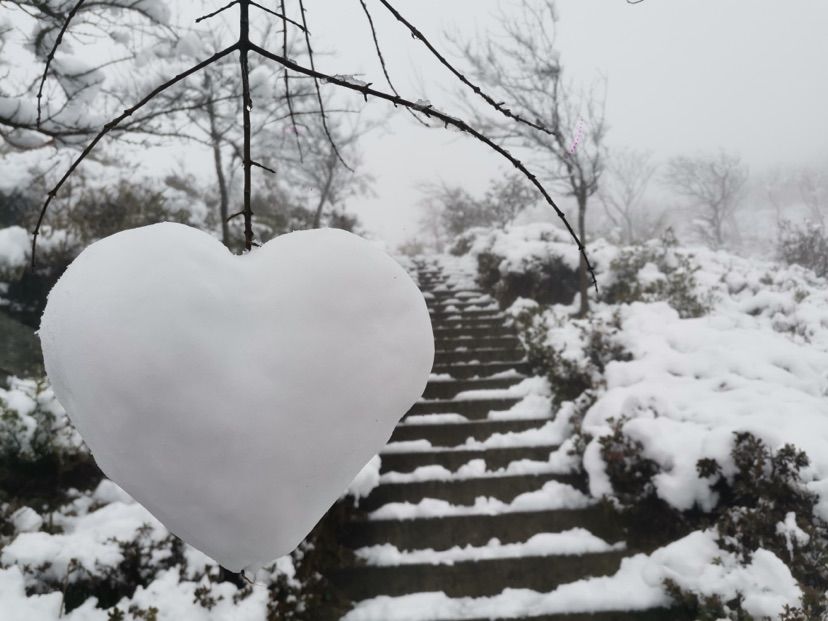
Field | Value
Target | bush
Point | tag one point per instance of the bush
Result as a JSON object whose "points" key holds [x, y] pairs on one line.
{"points": [[41, 456], [549, 281], [767, 492], [571, 371], [756, 508], [671, 277], [806, 246]]}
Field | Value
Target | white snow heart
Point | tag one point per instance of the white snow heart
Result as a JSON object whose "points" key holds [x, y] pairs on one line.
{"points": [[236, 397]]}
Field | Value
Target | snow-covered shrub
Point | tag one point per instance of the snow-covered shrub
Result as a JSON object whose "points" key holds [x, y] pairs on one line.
{"points": [[805, 245], [572, 353], [40, 452], [92, 213], [762, 505], [655, 271], [536, 261]]}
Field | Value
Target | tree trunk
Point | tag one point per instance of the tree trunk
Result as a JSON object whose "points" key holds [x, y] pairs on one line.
{"points": [[583, 274], [215, 138], [225, 575], [323, 197]]}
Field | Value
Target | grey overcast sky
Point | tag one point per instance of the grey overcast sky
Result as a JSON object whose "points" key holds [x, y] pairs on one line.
{"points": [[684, 76]]}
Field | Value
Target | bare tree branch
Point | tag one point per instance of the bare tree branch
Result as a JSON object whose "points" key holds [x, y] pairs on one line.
{"points": [[113, 124], [430, 111]]}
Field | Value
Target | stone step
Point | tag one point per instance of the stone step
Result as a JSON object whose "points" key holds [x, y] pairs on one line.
{"points": [[442, 533], [455, 324], [651, 614], [461, 293], [465, 371], [475, 578], [471, 408], [454, 434], [465, 305], [494, 342], [446, 389], [480, 355], [468, 313], [496, 330], [495, 458], [464, 491]]}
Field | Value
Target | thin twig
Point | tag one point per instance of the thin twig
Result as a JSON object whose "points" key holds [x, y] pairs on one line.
{"points": [[112, 125], [217, 11], [382, 58], [262, 166], [51, 55], [287, 89], [477, 90], [430, 111], [281, 16], [318, 90]]}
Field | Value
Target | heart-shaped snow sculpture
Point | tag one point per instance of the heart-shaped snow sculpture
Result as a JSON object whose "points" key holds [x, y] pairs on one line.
{"points": [[235, 397]]}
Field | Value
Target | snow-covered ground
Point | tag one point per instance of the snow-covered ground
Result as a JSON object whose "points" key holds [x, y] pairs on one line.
{"points": [[756, 361]]}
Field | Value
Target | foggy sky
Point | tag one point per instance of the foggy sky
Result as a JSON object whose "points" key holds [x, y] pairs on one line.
{"points": [[683, 77]]}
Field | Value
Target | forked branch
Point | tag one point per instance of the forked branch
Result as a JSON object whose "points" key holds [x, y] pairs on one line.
{"points": [[244, 46]]}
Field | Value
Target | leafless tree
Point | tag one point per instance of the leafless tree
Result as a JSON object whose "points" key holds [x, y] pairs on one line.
{"points": [[524, 65], [309, 167], [714, 185], [451, 210], [67, 108], [247, 45], [623, 187]]}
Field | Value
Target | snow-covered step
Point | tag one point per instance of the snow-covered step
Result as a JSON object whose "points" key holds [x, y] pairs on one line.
{"points": [[446, 389], [457, 433], [442, 533], [443, 312], [470, 408], [475, 578], [454, 459], [465, 491], [485, 342], [450, 289], [510, 604], [495, 330], [491, 324], [446, 305], [479, 370], [575, 541], [652, 614], [490, 354]]}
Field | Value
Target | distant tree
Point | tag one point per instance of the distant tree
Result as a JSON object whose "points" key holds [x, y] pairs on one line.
{"points": [[805, 245], [450, 211], [813, 190], [714, 186], [507, 198], [412, 248], [524, 64], [622, 192]]}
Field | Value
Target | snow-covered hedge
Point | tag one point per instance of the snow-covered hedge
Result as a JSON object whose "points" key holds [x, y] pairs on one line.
{"points": [[537, 261], [707, 376]]}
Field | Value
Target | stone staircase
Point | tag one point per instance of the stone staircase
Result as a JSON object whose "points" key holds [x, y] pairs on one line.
{"points": [[475, 351]]}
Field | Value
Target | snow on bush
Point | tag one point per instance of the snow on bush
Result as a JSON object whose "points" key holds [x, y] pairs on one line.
{"points": [[686, 349], [14, 247]]}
